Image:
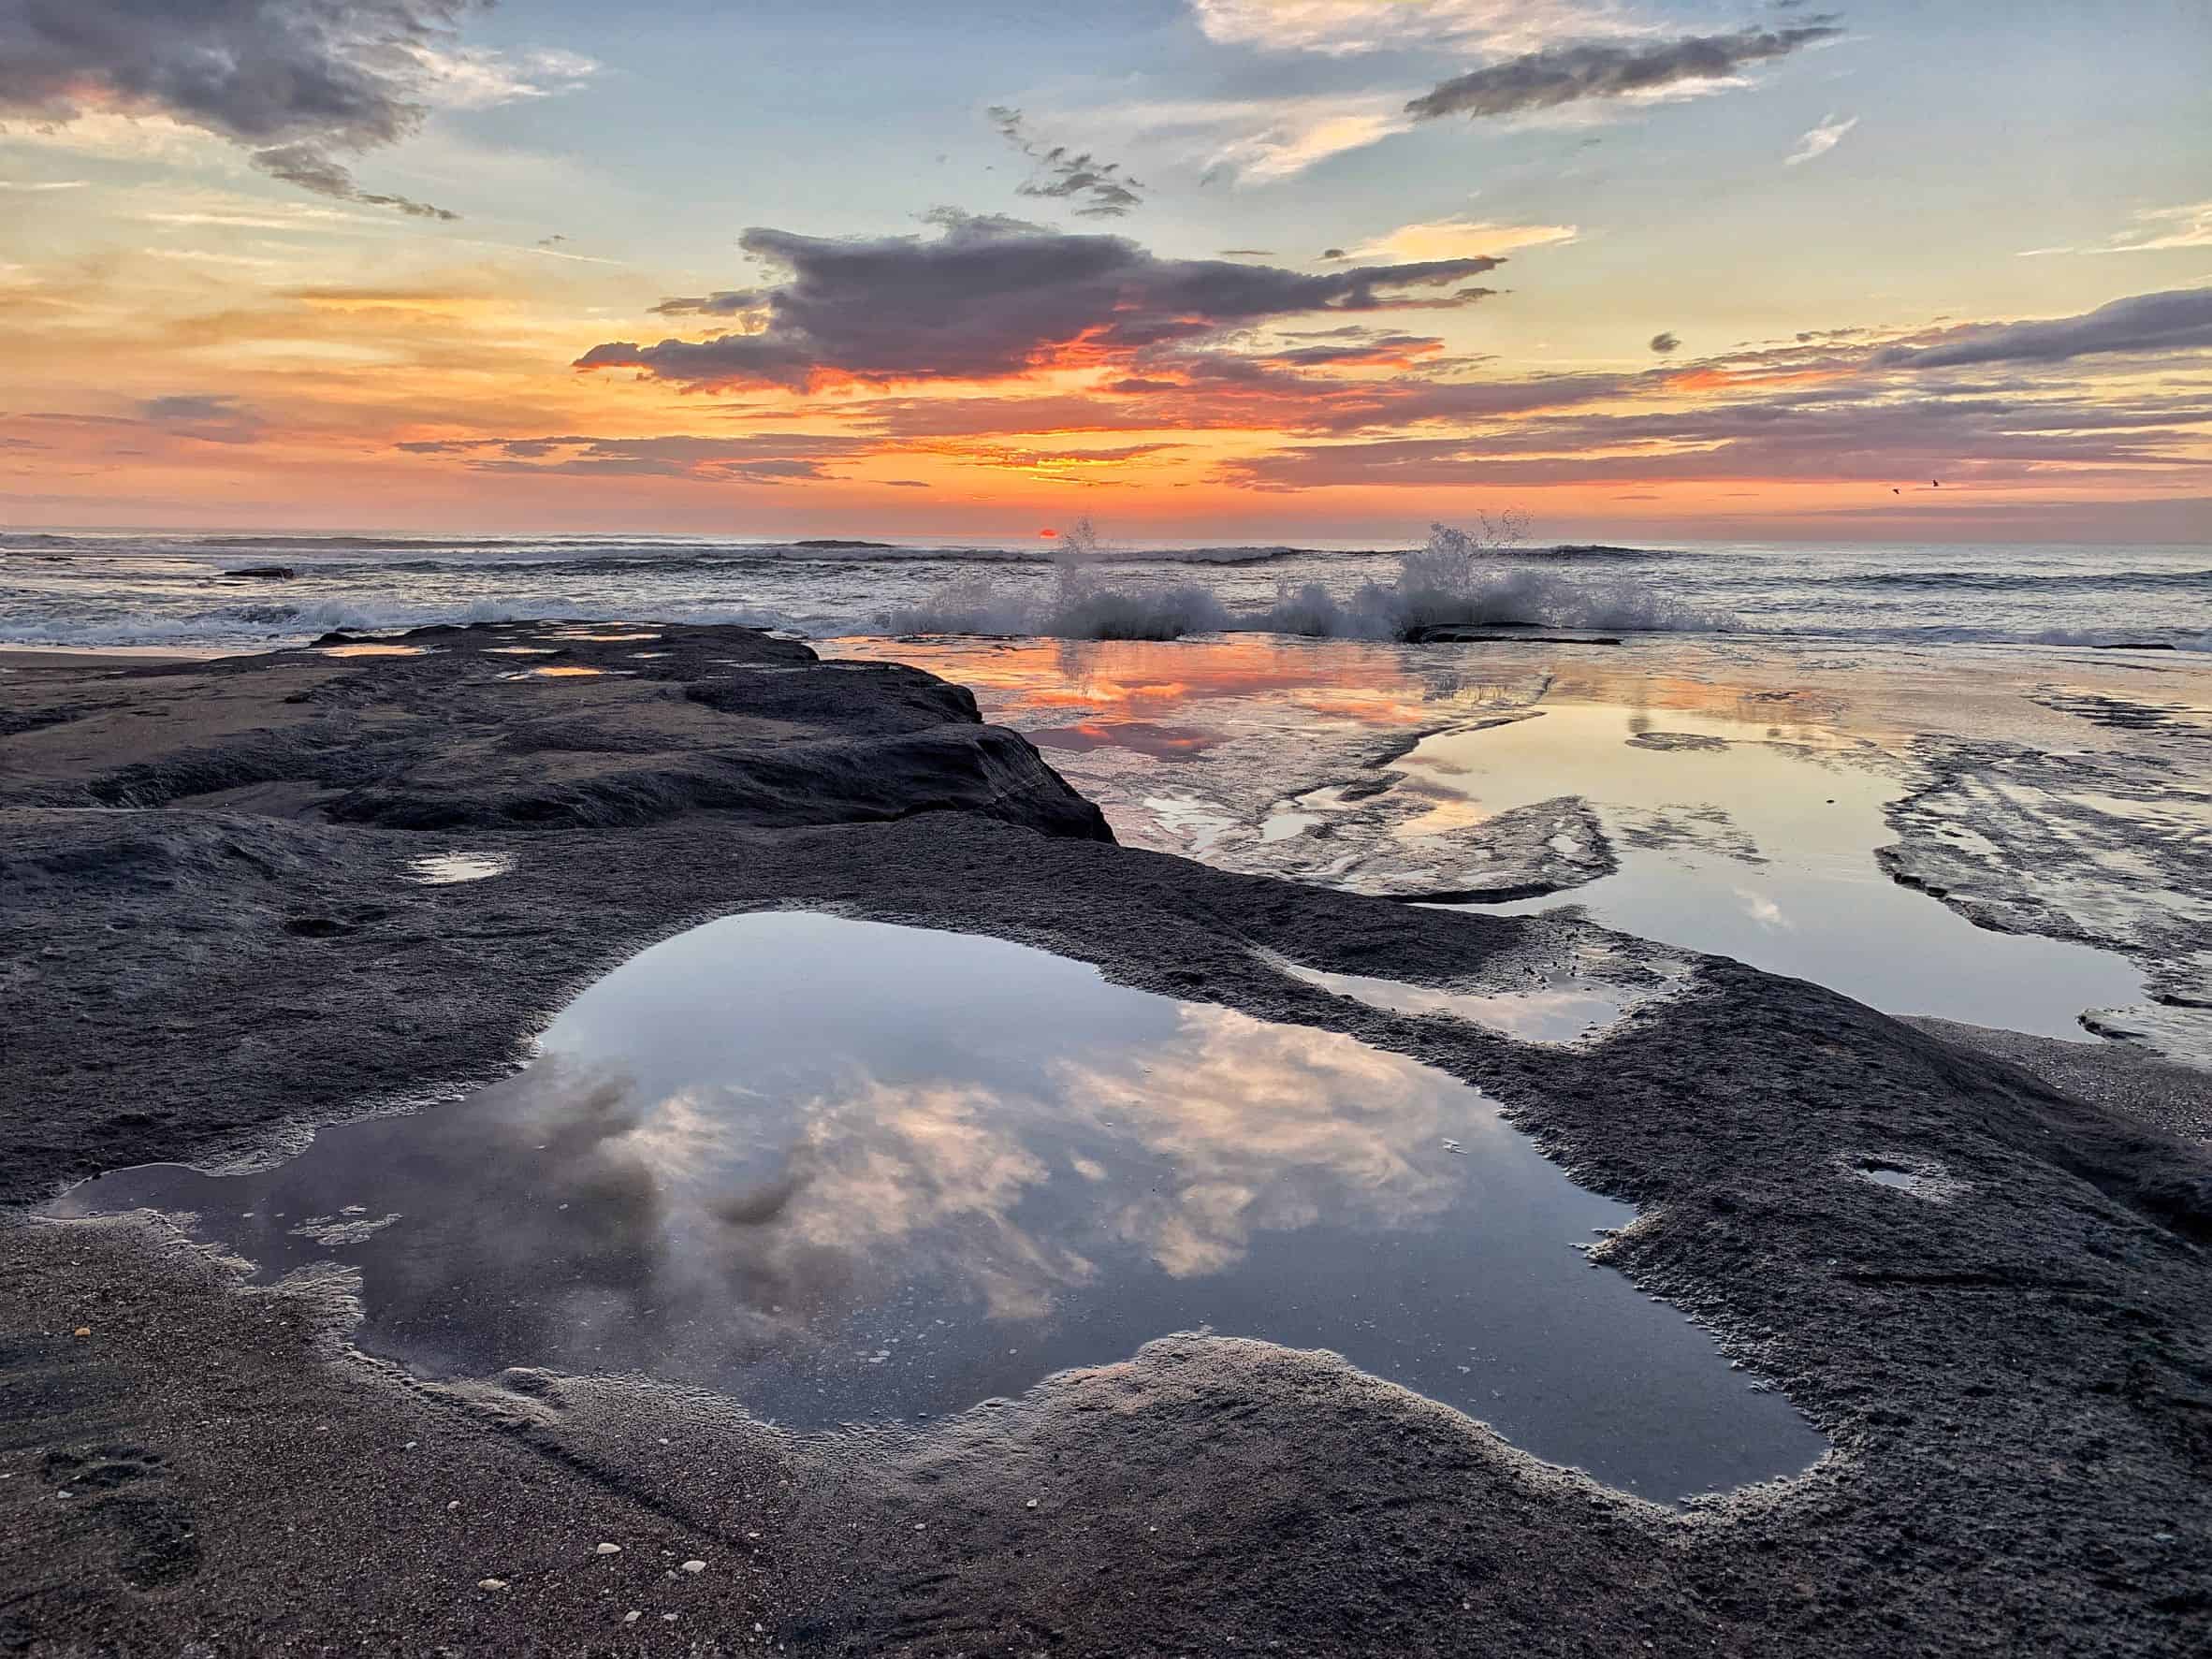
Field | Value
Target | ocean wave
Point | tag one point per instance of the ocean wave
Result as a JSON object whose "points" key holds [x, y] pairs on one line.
{"points": [[1453, 580], [593, 554], [1597, 550], [254, 627], [1080, 609], [2020, 581]]}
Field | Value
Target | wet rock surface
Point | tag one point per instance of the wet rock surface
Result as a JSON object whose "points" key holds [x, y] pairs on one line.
{"points": [[437, 732], [2015, 1379], [2109, 845]]}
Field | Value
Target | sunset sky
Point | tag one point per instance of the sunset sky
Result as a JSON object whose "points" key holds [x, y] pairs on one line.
{"points": [[1201, 268]]}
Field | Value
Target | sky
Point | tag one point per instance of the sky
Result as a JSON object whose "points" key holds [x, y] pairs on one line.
{"points": [[1205, 270]]}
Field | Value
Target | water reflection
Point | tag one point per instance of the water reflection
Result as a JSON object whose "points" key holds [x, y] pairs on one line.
{"points": [[1563, 1009], [1764, 850], [846, 1172], [1744, 809]]}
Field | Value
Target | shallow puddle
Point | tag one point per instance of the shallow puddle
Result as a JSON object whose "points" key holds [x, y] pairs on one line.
{"points": [[369, 650], [846, 1172], [1163, 743], [1764, 851], [1743, 816], [559, 673], [1557, 1011]]}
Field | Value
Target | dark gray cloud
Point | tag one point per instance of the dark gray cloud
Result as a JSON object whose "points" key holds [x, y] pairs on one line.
{"points": [[750, 457], [1098, 189], [1873, 433], [1247, 252], [211, 418], [725, 302], [1665, 343], [989, 298], [1606, 69], [1385, 349], [311, 168], [2179, 319], [293, 81]]}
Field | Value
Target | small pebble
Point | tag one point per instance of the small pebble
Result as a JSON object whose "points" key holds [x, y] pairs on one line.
{"points": [[453, 1504], [632, 1617], [694, 1567], [83, 1330], [491, 1583], [1030, 1505], [610, 1549], [667, 1618]]}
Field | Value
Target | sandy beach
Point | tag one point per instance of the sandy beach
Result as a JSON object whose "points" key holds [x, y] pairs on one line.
{"points": [[220, 947]]}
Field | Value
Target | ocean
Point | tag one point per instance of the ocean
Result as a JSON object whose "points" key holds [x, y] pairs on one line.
{"points": [[196, 591]]}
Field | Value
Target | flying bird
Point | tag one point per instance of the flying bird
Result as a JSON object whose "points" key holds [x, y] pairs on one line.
{"points": [[1935, 484]]}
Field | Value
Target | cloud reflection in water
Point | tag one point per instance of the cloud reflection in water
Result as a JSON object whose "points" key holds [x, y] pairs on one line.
{"points": [[845, 1171]]}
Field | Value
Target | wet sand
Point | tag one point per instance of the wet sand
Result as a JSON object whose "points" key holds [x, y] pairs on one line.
{"points": [[2014, 1374]]}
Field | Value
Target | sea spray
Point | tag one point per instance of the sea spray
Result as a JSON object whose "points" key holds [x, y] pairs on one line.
{"points": [[1468, 578], [1080, 606], [1459, 576]]}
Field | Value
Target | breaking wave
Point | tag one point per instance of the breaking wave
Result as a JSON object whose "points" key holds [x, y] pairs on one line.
{"points": [[1080, 606], [1456, 579]]}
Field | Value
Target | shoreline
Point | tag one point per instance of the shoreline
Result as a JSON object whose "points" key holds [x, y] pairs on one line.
{"points": [[58, 656], [240, 958]]}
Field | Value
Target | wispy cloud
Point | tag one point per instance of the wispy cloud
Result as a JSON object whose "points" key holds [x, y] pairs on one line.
{"points": [[1837, 405], [1456, 239], [1254, 140], [2156, 230], [1596, 69], [752, 457], [1820, 141], [1100, 189], [1344, 27], [1302, 137], [211, 418], [44, 184]]}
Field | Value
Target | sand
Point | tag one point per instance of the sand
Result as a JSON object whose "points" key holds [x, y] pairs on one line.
{"points": [[212, 946]]}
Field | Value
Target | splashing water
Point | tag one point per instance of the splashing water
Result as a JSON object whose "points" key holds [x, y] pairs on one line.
{"points": [[1460, 577], [1464, 578], [1081, 606]]}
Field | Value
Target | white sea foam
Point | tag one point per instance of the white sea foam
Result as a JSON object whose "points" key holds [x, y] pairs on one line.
{"points": [[1457, 578], [1080, 606]]}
